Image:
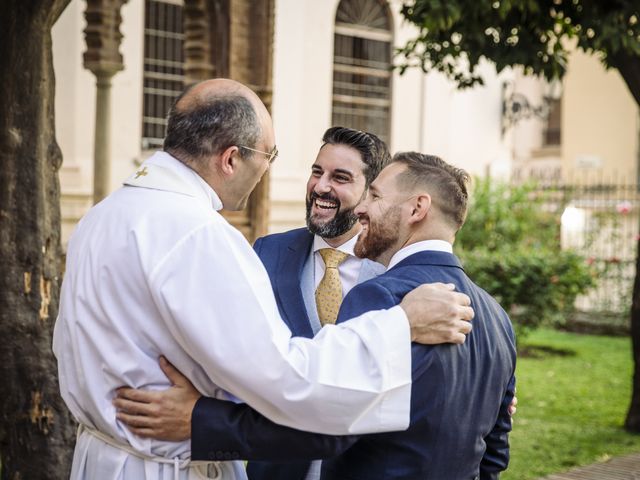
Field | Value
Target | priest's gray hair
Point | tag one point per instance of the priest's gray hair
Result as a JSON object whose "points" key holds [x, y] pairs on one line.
{"points": [[210, 127]]}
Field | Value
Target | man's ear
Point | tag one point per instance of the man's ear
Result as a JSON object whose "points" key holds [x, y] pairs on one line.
{"points": [[421, 206], [229, 159]]}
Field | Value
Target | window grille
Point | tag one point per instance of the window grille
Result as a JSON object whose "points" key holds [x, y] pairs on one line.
{"points": [[552, 131], [362, 66], [163, 67]]}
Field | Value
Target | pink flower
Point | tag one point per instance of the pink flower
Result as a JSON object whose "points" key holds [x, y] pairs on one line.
{"points": [[624, 207], [590, 260]]}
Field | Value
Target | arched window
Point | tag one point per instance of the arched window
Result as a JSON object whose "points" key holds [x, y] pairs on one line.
{"points": [[362, 66]]}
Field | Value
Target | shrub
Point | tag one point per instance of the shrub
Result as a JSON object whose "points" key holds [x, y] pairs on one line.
{"points": [[535, 286], [510, 246]]}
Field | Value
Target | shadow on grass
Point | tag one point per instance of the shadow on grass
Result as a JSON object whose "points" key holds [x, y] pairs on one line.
{"points": [[544, 351]]}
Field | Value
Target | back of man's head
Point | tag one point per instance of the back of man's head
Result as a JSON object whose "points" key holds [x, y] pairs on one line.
{"points": [[203, 124], [446, 184], [374, 152]]}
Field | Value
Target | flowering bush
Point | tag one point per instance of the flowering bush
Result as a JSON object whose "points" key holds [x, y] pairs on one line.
{"points": [[510, 246]]}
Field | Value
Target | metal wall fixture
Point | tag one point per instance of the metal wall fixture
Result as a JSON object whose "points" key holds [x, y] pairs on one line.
{"points": [[516, 106]]}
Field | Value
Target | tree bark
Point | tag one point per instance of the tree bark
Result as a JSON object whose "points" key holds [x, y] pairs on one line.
{"points": [[632, 422], [36, 431], [629, 68]]}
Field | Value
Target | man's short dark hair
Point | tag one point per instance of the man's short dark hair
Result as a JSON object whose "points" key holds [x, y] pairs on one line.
{"points": [[447, 184], [208, 128], [373, 150]]}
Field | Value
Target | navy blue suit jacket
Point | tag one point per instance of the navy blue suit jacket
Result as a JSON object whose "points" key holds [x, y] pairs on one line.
{"points": [[460, 393], [284, 256], [464, 379]]}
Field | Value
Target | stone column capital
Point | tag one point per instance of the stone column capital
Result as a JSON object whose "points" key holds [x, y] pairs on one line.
{"points": [[103, 37]]}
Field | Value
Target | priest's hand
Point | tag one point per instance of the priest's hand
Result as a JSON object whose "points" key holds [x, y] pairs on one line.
{"points": [[438, 314], [163, 415]]}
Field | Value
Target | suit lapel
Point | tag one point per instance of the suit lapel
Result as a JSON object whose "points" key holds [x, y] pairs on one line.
{"points": [[307, 286], [289, 279]]}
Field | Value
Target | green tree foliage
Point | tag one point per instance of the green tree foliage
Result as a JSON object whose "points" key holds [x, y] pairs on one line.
{"points": [[454, 35], [510, 246]]}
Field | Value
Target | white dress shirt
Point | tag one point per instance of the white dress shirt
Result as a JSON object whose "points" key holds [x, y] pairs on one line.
{"points": [[434, 245], [155, 269]]}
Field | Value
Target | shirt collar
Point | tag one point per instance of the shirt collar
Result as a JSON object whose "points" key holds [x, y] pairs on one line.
{"points": [[164, 172], [346, 247], [434, 245]]}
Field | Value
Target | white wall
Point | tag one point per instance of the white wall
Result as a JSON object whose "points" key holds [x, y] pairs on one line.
{"points": [[600, 123], [408, 93], [472, 120], [302, 83], [75, 113], [75, 107], [126, 96]]}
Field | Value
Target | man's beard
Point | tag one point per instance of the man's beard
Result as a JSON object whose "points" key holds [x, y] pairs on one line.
{"points": [[380, 236], [341, 223]]}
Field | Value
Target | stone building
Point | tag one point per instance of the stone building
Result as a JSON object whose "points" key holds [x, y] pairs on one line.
{"points": [[317, 63]]}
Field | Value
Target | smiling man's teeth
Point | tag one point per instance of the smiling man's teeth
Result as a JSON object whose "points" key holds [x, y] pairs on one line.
{"points": [[325, 204]]}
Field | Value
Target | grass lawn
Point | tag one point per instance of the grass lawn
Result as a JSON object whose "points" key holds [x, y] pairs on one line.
{"points": [[571, 407]]}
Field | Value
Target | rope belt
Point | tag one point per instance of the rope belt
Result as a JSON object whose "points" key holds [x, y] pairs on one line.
{"points": [[211, 470]]}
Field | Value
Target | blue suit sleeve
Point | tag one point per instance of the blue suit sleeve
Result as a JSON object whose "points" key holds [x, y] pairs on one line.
{"points": [[496, 456], [222, 430]]}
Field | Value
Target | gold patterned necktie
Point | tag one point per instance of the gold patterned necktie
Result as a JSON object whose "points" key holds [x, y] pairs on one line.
{"points": [[329, 291]]}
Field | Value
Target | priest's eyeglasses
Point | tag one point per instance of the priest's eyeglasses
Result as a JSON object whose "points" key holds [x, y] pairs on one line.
{"points": [[271, 156]]}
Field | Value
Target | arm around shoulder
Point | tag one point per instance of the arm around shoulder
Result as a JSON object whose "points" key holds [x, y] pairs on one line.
{"points": [[367, 369], [223, 430]]}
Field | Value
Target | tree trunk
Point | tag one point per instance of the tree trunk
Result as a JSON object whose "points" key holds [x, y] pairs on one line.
{"points": [[632, 423], [36, 431], [629, 68]]}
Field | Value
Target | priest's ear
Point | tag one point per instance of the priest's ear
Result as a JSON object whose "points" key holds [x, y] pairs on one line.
{"points": [[420, 208], [228, 160]]}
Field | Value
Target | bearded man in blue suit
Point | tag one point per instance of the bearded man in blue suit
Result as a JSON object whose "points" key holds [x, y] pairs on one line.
{"points": [[461, 394], [348, 161], [346, 164]]}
